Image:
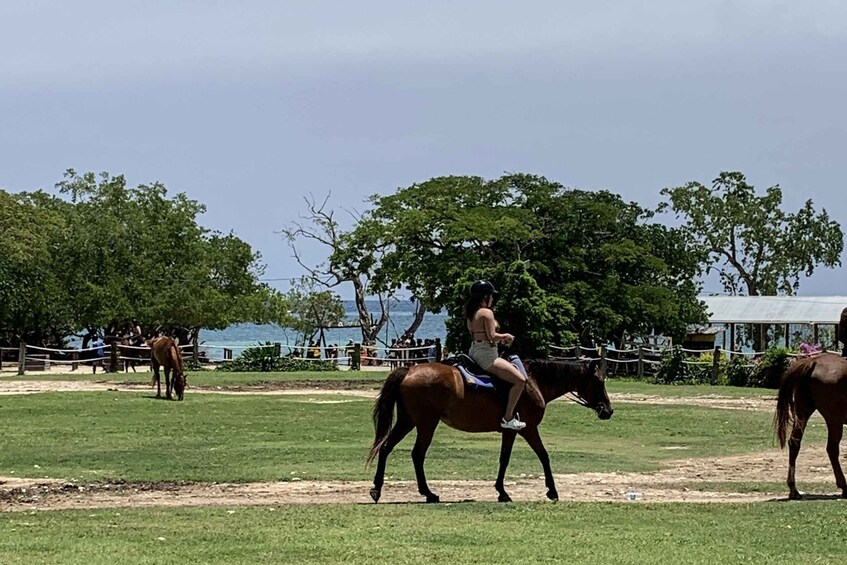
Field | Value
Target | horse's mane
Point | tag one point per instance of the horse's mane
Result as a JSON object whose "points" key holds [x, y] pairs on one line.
{"points": [[556, 369], [176, 358]]}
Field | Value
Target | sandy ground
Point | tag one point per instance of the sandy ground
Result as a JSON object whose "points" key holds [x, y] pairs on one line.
{"points": [[677, 483], [682, 480]]}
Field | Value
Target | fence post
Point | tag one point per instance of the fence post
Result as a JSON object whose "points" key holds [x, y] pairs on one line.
{"points": [[277, 349], [113, 362], [716, 362], [75, 359], [21, 358], [437, 352], [603, 362], [195, 350], [577, 351], [640, 361], [356, 360]]}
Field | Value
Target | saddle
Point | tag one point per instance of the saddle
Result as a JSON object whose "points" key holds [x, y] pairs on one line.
{"points": [[475, 377]]}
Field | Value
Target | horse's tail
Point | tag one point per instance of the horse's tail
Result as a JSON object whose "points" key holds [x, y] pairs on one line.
{"points": [[383, 414], [786, 407]]}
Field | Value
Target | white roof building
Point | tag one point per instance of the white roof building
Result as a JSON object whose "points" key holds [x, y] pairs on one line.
{"points": [[813, 310]]}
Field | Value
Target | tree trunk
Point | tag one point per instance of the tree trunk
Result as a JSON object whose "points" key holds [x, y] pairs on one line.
{"points": [[416, 322]]}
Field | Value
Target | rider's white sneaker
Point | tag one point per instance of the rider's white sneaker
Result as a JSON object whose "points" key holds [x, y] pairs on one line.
{"points": [[513, 424]]}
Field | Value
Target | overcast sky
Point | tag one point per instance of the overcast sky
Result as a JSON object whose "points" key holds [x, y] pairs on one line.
{"points": [[248, 106]]}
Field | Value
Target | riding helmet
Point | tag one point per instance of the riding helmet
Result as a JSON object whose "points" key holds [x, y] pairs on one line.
{"points": [[483, 288]]}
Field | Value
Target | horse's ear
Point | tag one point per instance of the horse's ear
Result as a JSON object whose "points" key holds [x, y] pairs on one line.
{"points": [[598, 370]]}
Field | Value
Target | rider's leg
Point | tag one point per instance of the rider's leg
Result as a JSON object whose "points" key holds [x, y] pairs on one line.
{"points": [[506, 371]]}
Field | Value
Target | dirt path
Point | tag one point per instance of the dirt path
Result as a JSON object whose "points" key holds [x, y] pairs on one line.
{"points": [[684, 480]]}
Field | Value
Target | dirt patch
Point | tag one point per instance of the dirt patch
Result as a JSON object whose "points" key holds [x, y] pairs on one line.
{"points": [[763, 403], [677, 483]]}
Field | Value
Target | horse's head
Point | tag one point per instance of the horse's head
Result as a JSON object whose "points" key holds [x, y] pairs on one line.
{"points": [[591, 389], [179, 384]]}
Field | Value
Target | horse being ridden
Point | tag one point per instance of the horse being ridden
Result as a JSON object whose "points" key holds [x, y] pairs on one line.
{"points": [[814, 383], [427, 394], [165, 352]]}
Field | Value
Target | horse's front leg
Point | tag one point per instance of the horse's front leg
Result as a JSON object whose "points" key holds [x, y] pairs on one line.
{"points": [[506, 443], [157, 378], [532, 437], [424, 439], [168, 383]]}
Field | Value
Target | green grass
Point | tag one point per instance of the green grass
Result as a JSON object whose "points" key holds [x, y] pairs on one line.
{"points": [[804, 532], [366, 379], [372, 379], [209, 437]]}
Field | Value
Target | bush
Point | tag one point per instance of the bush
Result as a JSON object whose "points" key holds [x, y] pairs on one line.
{"points": [[263, 359], [737, 372], [674, 370], [770, 368]]}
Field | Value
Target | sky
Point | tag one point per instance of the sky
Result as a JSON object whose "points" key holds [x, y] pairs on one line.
{"points": [[250, 106]]}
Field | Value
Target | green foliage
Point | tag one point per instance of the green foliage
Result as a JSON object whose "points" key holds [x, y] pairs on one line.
{"points": [[598, 266], [264, 359], [753, 244], [768, 371], [310, 308], [678, 367], [534, 317], [115, 253], [738, 371]]}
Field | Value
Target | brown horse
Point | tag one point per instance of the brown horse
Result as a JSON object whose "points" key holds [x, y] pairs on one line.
{"points": [[842, 332], [165, 352], [814, 383], [430, 393]]}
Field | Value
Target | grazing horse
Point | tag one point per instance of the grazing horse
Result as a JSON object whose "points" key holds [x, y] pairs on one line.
{"points": [[430, 393], [814, 383], [165, 352]]}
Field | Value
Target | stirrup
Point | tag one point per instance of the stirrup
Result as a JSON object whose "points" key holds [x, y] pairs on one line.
{"points": [[513, 424]]}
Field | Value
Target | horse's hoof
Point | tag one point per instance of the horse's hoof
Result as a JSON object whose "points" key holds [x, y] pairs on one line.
{"points": [[504, 498], [795, 495], [375, 494], [432, 498], [553, 495]]}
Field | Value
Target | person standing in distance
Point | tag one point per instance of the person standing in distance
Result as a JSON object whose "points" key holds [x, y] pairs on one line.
{"points": [[485, 336]]}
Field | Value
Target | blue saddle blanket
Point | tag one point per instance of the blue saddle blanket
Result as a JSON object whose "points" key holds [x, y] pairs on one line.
{"points": [[478, 379]]}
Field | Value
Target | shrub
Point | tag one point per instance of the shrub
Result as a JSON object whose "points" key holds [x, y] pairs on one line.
{"points": [[738, 372], [770, 368], [674, 369], [263, 359]]}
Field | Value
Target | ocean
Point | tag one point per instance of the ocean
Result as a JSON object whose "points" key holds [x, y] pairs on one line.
{"points": [[240, 336]]}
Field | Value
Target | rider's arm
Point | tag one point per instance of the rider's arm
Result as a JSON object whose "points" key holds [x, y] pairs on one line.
{"points": [[491, 326]]}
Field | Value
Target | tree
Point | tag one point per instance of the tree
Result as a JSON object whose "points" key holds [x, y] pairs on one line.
{"points": [[114, 253], [34, 305], [594, 266], [752, 244], [350, 261], [312, 309]]}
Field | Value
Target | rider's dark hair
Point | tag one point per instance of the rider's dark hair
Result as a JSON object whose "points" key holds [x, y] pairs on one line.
{"points": [[473, 304]]}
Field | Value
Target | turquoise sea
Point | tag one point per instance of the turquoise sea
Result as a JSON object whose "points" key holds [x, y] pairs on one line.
{"points": [[240, 336]]}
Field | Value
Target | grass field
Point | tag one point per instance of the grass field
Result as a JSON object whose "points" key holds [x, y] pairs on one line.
{"points": [[211, 437], [806, 532], [373, 379], [96, 436]]}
